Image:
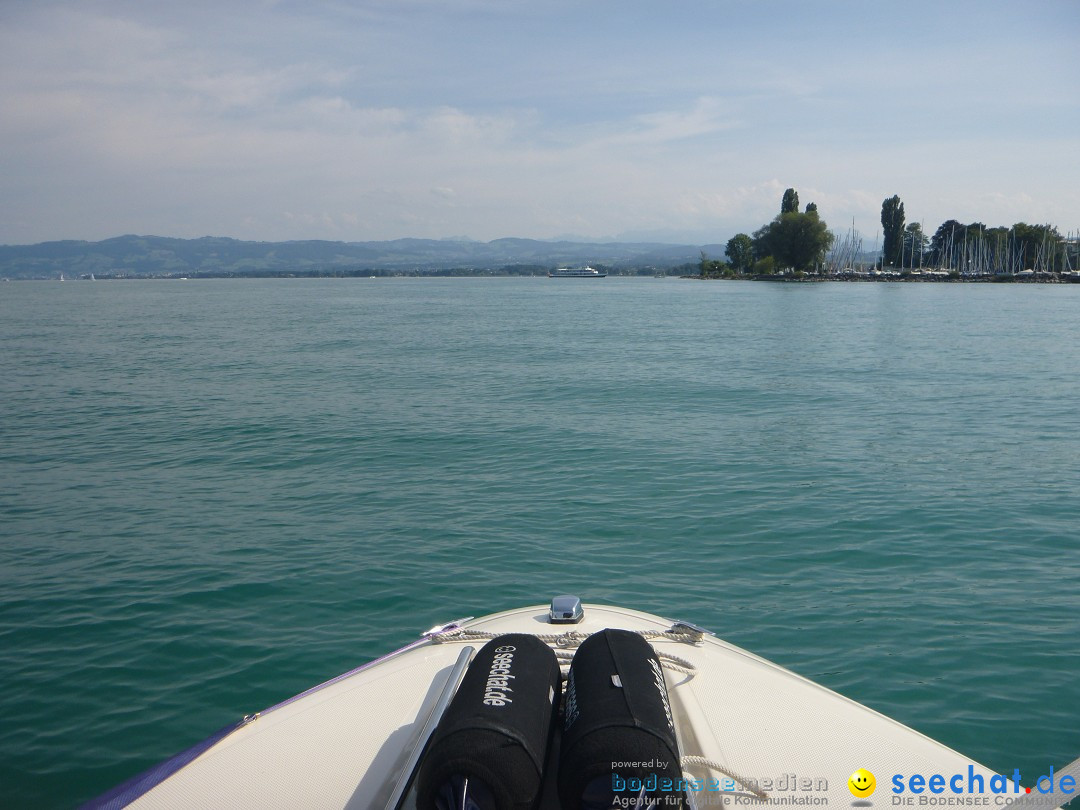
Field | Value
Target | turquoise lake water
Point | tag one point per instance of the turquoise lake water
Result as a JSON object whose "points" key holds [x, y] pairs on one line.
{"points": [[214, 494]]}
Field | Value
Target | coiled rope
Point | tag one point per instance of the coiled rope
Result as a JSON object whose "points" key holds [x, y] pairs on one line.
{"points": [[566, 643], [690, 759]]}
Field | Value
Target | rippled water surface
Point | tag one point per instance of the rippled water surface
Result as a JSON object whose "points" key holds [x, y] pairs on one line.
{"points": [[214, 494]]}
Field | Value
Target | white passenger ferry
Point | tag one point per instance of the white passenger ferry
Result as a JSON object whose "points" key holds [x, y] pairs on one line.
{"points": [[577, 272]]}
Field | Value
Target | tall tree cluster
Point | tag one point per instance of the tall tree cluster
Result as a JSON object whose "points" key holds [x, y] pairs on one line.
{"points": [[1007, 250], [970, 248], [790, 203], [799, 240], [740, 252], [892, 224], [793, 239]]}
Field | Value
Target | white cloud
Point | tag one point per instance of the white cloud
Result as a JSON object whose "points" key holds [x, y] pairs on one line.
{"points": [[118, 118], [707, 116]]}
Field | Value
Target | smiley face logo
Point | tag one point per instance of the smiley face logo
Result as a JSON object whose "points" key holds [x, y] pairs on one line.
{"points": [[861, 783]]}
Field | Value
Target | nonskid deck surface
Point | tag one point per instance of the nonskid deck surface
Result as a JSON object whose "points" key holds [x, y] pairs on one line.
{"points": [[345, 743]]}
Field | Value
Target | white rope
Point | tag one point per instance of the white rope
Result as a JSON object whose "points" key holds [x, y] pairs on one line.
{"points": [[676, 663], [566, 642], [689, 760]]}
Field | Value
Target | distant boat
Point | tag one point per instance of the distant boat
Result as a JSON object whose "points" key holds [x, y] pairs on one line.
{"points": [[577, 272]]}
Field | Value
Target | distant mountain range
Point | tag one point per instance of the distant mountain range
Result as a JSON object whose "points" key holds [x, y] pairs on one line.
{"points": [[136, 256]]}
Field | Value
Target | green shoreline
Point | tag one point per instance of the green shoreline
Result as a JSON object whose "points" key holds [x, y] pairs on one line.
{"points": [[906, 278], [1041, 278]]}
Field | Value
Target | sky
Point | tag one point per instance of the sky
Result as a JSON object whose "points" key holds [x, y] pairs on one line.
{"points": [[678, 121]]}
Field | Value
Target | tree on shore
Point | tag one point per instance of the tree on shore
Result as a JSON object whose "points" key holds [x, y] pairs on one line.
{"points": [[976, 248], [949, 234], [712, 268], [790, 203], [892, 224], [1039, 247], [914, 246], [793, 239], [740, 252]]}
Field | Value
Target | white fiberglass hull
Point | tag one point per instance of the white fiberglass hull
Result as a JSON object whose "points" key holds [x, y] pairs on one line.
{"points": [[346, 743]]}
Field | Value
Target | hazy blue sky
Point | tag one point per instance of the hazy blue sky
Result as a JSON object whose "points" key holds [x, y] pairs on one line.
{"points": [[682, 120]]}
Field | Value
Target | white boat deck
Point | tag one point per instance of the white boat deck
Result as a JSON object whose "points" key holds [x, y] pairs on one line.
{"points": [[345, 743]]}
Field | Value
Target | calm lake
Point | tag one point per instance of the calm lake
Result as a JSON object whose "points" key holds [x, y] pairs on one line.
{"points": [[214, 494]]}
